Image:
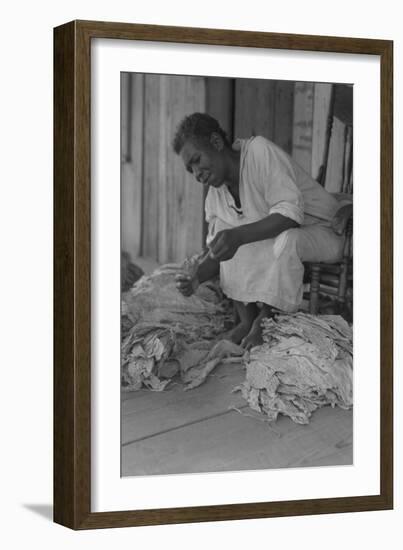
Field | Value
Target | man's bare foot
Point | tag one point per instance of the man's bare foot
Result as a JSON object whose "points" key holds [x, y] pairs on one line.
{"points": [[246, 314], [255, 336], [238, 333]]}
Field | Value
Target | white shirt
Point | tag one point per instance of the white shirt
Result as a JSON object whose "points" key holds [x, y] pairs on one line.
{"points": [[271, 270], [270, 182]]}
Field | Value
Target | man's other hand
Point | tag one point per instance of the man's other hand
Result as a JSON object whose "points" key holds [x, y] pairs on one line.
{"points": [[341, 218], [224, 245], [185, 284]]}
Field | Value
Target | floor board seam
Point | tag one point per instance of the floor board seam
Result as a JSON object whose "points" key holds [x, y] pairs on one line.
{"points": [[143, 438]]}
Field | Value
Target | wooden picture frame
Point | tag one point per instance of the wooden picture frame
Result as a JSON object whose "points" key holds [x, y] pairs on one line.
{"points": [[72, 270]]}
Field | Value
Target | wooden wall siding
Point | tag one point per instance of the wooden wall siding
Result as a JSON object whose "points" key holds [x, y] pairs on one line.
{"points": [[339, 172], [220, 94], [254, 108], [125, 115], [220, 102], [335, 166], [336, 100], [151, 170], [162, 205], [265, 108], [302, 128], [284, 114], [348, 162], [132, 99], [172, 199], [321, 106]]}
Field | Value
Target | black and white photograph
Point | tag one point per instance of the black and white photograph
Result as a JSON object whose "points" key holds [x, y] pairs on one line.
{"points": [[201, 240], [236, 274]]}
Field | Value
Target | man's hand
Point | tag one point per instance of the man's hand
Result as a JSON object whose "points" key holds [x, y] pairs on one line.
{"points": [[341, 218], [225, 244], [185, 284]]}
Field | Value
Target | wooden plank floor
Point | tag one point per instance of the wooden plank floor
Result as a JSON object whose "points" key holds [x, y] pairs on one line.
{"points": [[199, 431]]}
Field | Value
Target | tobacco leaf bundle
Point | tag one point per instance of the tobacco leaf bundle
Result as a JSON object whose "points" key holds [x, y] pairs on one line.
{"points": [[165, 333], [304, 363]]}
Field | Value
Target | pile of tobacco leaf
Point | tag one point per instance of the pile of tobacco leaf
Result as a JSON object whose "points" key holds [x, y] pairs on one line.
{"points": [[304, 363], [165, 334]]}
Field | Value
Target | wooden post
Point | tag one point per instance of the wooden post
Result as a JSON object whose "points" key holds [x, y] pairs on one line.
{"points": [[322, 104], [132, 117], [284, 114], [303, 115]]}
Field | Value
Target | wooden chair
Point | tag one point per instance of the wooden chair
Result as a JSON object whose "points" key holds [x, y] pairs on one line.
{"points": [[331, 285]]}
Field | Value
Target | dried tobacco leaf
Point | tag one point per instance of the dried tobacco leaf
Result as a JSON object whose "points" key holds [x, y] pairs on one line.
{"points": [[170, 333], [304, 363]]}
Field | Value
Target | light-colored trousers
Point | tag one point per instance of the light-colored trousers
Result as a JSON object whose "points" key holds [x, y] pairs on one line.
{"points": [[271, 271]]}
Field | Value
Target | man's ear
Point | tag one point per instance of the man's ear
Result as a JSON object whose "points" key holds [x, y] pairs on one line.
{"points": [[217, 141]]}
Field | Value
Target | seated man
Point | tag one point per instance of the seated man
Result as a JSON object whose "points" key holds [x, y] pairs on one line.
{"points": [[266, 216]]}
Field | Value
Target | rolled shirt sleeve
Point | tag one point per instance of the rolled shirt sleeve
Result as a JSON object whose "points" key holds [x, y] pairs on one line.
{"points": [[277, 180]]}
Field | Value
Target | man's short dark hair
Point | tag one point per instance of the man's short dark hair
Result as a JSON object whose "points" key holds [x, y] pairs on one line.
{"points": [[197, 127]]}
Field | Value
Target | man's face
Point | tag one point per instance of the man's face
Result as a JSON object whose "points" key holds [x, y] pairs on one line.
{"points": [[205, 162]]}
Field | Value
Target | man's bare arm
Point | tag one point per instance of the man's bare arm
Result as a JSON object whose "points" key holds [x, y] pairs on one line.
{"points": [[227, 242], [267, 228], [206, 270]]}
